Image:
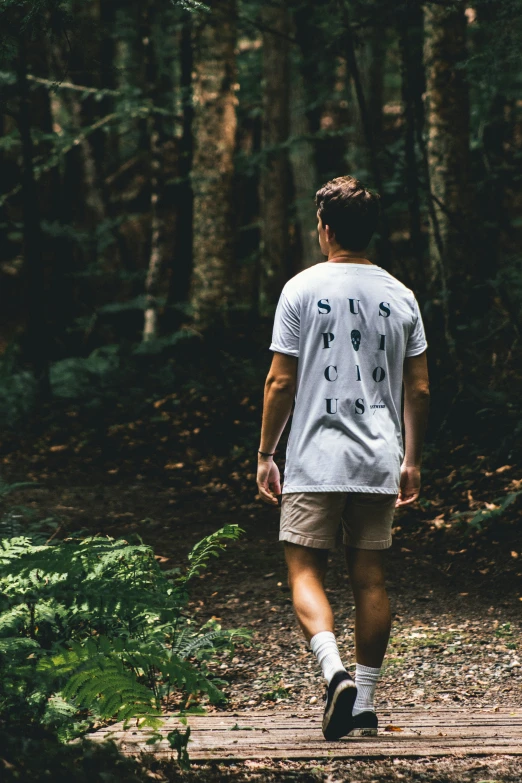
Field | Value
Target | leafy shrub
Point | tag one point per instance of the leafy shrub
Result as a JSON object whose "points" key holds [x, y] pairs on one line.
{"points": [[17, 388], [93, 630], [76, 376]]}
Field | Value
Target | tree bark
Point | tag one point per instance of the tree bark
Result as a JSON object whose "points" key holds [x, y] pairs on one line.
{"points": [[448, 138], [385, 250], [179, 284], [410, 43], [304, 172], [36, 342], [156, 138], [215, 125], [275, 179]]}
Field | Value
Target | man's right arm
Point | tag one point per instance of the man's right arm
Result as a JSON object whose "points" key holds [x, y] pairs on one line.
{"points": [[416, 408]]}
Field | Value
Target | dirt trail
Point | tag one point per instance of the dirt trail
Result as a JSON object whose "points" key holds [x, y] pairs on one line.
{"points": [[456, 635]]}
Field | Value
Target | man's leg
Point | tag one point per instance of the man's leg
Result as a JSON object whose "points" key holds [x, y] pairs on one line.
{"points": [[306, 574], [372, 620]]}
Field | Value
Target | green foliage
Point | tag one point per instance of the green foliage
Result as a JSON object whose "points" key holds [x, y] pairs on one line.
{"points": [[17, 388], [93, 630], [479, 519], [75, 377], [179, 742]]}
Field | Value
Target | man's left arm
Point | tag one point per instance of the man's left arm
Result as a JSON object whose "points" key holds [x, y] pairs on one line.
{"points": [[280, 387]]}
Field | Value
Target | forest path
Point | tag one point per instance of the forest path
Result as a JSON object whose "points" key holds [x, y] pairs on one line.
{"points": [[456, 636], [456, 632], [297, 736]]}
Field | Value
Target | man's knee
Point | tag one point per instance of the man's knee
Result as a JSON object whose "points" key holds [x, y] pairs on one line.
{"points": [[365, 568], [305, 562]]}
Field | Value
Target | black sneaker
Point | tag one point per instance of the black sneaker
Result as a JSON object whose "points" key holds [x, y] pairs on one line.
{"points": [[340, 696], [364, 724]]}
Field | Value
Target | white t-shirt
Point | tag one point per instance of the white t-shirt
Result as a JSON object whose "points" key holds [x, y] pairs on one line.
{"points": [[351, 325]]}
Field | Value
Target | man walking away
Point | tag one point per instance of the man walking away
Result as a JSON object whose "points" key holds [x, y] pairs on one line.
{"points": [[347, 338]]}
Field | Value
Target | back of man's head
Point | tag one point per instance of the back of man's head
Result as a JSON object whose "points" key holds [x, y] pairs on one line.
{"points": [[351, 211]]}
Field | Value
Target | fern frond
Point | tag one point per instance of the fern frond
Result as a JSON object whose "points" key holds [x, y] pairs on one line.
{"points": [[13, 644], [209, 547]]}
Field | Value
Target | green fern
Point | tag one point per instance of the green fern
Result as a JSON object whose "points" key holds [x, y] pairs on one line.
{"points": [[209, 547], [94, 630]]}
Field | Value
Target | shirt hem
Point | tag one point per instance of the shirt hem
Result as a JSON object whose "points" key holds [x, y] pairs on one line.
{"points": [[289, 488], [287, 351], [416, 351]]}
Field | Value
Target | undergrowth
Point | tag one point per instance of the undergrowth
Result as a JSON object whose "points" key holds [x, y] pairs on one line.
{"points": [[92, 630]]}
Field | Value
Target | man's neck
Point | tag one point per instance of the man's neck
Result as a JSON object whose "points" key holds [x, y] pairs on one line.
{"points": [[341, 256]]}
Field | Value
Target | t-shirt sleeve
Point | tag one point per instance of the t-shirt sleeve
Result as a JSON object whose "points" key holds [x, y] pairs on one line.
{"points": [[417, 340], [285, 334]]}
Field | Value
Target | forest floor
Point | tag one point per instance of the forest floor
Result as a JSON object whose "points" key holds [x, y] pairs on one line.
{"points": [[454, 581]]}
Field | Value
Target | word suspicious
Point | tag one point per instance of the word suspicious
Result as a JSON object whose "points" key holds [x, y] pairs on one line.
{"points": [[378, 341]]}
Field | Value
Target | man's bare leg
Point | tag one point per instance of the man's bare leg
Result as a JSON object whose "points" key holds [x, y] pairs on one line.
{"points": [[372, 608], [306, 574], [372, 629]]}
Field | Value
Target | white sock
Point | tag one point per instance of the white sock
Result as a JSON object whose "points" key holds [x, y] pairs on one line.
{"points": [[324, 646], [366, 680]]}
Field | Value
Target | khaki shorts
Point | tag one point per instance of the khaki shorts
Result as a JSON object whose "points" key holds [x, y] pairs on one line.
{"points": [[313, 518]]}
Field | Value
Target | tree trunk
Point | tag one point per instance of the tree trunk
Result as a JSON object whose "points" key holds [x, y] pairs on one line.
{"points": [[304, 173], [179, 283], [213, 163], [153, 279], [36, 338], [448, 138], [376, 58], [493, 205], [384, 245], [410, 43], [275, 179], [156, 138], [83, 202]]}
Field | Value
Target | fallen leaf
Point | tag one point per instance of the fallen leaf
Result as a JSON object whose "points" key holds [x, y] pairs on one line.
{"points": [[392, 728], [503, 468]]}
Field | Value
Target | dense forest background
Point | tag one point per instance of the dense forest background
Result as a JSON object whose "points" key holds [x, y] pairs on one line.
{"points": [[160, 161], [159, 164]]}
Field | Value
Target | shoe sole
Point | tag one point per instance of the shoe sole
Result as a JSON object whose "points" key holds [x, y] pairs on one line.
{"points": [[362, 733], [338, 719]]}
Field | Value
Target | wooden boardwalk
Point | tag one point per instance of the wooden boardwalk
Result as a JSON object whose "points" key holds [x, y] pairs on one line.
{"points": [[285, 734]]}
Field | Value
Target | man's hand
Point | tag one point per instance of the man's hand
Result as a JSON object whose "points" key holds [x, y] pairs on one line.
{"points": [[268, 481], [409, 487]]}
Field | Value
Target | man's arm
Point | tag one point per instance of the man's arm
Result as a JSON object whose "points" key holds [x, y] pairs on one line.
{"points": [[279, 396], [416, 408]]}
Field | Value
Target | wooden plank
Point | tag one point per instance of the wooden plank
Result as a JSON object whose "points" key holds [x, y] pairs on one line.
{"points": [[297, 735]]}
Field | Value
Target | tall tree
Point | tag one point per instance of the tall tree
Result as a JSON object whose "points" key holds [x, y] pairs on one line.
{"points": [[304, 174], [155, 132], [412, 87], [179, 282], [213, 165], [37, 338], [275, 179], [448, 137], [349, 50]]}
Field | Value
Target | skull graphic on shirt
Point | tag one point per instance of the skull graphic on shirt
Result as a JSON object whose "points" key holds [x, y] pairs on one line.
{"points": [[356, 338]]}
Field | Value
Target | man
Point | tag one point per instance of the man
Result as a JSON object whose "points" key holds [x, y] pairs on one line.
{"points": [[347, 338]]}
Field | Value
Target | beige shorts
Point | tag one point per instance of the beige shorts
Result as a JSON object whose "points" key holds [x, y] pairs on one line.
{"points": [[313, 519]]}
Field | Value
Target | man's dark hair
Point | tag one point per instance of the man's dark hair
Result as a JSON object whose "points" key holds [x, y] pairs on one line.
{"points": [[351, 211]]}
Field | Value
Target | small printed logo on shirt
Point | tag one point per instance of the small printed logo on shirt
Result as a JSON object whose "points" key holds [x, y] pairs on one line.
{"points": [[379, 404]]}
